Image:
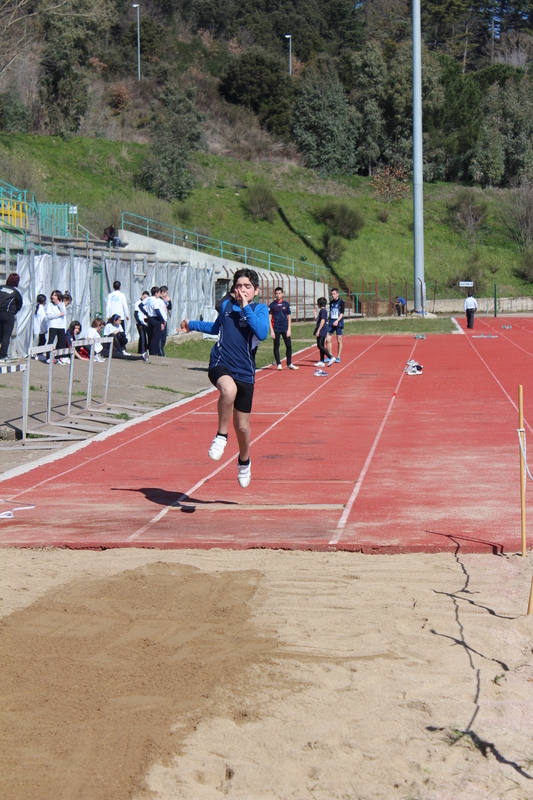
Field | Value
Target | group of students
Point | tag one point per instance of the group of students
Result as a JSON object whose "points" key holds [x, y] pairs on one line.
{"points": [[152, 314], [240, 326], [50, 327]]}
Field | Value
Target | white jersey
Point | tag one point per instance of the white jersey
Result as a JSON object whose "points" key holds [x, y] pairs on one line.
{"points": [[40, 321], [92, 333], [470, 302], [57, 316], [117, 304]]}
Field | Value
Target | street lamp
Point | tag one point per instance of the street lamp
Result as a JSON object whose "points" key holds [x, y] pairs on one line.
{"points": [[289, 37], [136, 5]]}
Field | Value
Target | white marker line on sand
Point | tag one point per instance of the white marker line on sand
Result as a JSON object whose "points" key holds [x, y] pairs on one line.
{"points": [[201, 482], [356, 489], [459, 329]]}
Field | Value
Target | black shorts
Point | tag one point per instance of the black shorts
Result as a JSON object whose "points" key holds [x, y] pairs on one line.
{"points": [[245, 391], [335, 329]]}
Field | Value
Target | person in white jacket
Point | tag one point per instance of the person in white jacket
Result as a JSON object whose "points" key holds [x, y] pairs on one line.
{"points": [[40, 321], [57, 319], [117, 304], [470, 310]]}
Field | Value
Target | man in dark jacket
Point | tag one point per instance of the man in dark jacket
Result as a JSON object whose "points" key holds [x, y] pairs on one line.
{"points": [[10, 305]]}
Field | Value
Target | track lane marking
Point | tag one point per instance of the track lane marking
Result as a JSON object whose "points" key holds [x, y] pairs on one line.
{"points": [[514, 405], [113, 432], [356, 489], [201, 482]]}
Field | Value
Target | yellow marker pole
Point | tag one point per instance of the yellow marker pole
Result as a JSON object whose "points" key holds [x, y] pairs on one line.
{"points": [[522, 467]]}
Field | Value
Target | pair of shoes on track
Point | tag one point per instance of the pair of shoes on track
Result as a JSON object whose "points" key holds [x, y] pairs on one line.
{"points": [[216, 451], [413, 367], [320, 373], [327, 363]]}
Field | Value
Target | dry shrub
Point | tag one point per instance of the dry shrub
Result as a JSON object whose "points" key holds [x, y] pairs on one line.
{"points": [[390, 183], [119, 96]]}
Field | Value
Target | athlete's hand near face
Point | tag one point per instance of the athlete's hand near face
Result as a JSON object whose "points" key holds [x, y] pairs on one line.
{"points": [[185, 325]]}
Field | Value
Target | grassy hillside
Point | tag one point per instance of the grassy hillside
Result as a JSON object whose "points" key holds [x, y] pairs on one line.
{"points": [[99, 175]]}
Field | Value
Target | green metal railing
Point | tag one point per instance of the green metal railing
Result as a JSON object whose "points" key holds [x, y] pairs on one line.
{"points": [[217, 247], [53, 219]]}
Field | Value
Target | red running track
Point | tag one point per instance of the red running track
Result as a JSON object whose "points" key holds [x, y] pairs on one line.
{"points": [[366, 459]]}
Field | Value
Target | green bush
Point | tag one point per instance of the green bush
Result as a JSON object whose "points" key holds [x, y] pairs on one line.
{"points": [[14, 116], [261, 203], [334, 247], [341, 218]]}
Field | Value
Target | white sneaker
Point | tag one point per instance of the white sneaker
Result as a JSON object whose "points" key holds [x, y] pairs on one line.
{"points": [[245, 474], [330, 361], [64, 361], [99, 359], [293, 366], [279, 366], [320, 364], [216, 451], [125, 353]]}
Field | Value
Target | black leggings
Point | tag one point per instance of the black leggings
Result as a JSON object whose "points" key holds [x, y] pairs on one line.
{"points": [[288, 346], [321, 344], [61, 338], [118, 349], [7, 323]]}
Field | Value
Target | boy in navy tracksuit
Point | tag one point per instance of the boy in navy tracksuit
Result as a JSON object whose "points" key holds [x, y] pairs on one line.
{"points": [[241, 325], [280, 325]]}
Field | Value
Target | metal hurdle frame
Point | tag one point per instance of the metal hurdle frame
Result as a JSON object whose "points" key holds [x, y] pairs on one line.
{"points": [[52, 353]]}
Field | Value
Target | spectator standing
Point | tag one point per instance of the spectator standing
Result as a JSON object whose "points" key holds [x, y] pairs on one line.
{"points": [[40, 321], [470, 310], [165, 297], [117, 304], [139, 316], [156, 313], [336, 322], [10, 305], [321, 328], [280, 325], [57, 323]]}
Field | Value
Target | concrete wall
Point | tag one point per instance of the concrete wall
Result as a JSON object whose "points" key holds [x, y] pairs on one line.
{"points": [[302, 293]]}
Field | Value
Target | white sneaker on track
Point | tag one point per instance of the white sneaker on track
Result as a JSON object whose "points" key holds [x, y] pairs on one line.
{"points": [[216, 451], [245, 474]]}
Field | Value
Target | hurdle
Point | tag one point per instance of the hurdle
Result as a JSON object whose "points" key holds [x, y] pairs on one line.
{"points": [[79, 422]]}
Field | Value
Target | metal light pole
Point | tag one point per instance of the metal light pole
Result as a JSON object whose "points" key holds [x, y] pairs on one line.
{"points": [[418, 173], [289, 37], [136, 5]]}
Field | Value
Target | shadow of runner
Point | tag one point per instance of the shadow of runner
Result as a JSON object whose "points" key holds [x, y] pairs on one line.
{"points": [[163, 497]]}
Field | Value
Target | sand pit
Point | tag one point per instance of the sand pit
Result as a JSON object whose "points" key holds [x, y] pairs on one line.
{"points": [[265, 674]]}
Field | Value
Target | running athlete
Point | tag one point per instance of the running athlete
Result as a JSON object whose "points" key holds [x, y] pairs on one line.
{"points": [[280, 325], [336, 322], [241, 325]]}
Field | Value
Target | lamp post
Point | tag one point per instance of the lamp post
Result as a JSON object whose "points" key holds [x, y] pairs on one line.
{"points": [[136, 5], [289, 37]]}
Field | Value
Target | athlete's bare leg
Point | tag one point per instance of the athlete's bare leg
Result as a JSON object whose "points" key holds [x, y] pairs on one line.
{"points": [[241, 423], [228, 392], [339, 346]]}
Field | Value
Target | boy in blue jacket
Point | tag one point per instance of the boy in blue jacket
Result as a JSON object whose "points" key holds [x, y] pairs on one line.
{"points": [[241, 325]]}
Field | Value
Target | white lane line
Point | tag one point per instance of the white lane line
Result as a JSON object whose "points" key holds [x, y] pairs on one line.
{"points": [[356, 489], [514, 405], [15, 473], [201, 482], [459, 329], [504, 336]]}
